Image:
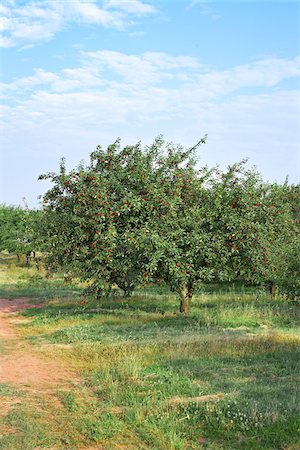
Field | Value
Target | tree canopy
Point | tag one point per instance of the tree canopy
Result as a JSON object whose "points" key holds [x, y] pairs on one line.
{"points": [[135, 215]]}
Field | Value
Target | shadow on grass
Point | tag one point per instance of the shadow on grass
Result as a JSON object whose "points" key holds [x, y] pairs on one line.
{"points": [[114, 305], [156, 318], [44, 292]]}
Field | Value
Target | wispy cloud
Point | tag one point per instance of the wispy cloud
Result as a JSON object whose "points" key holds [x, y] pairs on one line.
{"points": [[206, 8], [148, 69], [135, 7], [39, 21], [182, 78], [112, 87], [246, 110]]}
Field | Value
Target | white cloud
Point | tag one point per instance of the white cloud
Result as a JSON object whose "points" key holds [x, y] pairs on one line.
{"points": [[91, 13], [149, 69], [25, 86], [245, 110], [260, 74], [39, 21], [34, 22], [135, 7], [180, 80], [262, 127], [4, 23]]}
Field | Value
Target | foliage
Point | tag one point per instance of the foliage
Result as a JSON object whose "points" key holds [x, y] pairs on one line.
{"points": [[262, 222], [99, 218], [18, 228], [137, 215]]}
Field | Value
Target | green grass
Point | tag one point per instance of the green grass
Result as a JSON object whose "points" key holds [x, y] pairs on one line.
{"points": [[17, 280], [144, 369], [6, 390]]}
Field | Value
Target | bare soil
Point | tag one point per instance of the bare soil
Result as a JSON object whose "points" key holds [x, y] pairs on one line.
{"points": [[21, 365]]}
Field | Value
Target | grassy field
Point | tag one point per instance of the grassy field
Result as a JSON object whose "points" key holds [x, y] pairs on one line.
{"points": [[225, 377]]}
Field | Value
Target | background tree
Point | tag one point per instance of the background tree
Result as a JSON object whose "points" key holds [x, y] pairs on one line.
{"points": [[262, 222], [17, 230]]}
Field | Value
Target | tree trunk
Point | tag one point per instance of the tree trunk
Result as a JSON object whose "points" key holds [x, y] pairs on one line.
{"points": [[49, 273], [37, 263], [67, 277], [128, 291], [28, 260], [124, 282], [185, 294], [273, 290]]}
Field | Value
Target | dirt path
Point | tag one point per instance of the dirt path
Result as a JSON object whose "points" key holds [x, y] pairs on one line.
{"points": [[34, 378], [21, 365]]}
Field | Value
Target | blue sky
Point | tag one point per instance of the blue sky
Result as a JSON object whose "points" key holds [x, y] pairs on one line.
{"points": [[75, 74]]}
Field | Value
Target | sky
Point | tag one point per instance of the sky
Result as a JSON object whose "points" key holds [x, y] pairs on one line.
{"points": [[80, 73]]}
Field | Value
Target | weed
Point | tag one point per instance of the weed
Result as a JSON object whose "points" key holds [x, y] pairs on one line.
{"points": [[68, 400]]}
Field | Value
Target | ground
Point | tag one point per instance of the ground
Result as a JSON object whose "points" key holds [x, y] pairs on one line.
{"points": [[21, 365], [134, 374]]}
